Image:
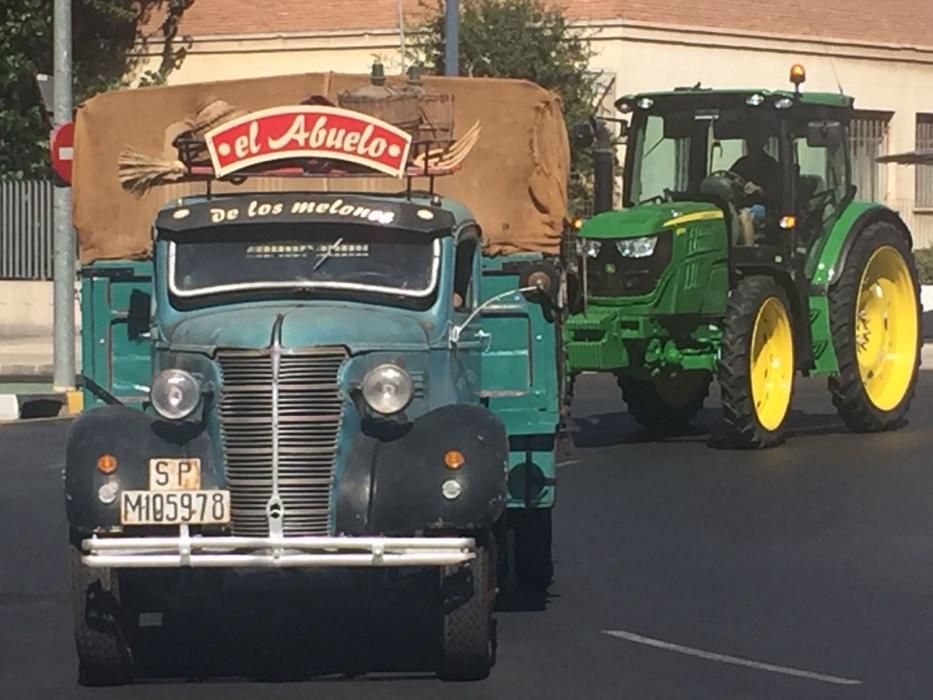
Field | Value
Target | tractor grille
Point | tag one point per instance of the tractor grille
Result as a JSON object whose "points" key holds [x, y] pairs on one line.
{"points": [[309, 418]]}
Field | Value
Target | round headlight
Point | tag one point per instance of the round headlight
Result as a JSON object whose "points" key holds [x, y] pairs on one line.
{"points": [[387, 389], [175, 394]]}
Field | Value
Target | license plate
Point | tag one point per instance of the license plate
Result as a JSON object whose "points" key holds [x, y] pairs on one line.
{"points": [[175, 507], [171, 474]]}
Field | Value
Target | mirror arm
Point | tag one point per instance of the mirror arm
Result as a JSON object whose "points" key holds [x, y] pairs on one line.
{"points": [[456, 330]]}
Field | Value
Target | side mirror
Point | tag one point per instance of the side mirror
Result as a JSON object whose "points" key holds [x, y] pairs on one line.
{"points": [[825, 134], [137, 317], [543, 282], [582, 134]]}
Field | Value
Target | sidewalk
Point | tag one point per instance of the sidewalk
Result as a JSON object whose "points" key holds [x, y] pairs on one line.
{"points": [[29, 357]]}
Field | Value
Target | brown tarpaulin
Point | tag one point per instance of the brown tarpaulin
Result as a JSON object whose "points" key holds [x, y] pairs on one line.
{"points": [[514, 181]]}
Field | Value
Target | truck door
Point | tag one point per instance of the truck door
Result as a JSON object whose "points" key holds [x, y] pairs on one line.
{"points": [[115, 346]]}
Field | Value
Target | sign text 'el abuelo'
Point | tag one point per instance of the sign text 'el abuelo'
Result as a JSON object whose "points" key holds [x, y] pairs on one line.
{"points": [[308, 131]]}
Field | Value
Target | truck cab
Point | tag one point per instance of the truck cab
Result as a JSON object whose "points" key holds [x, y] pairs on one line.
{"points": [[315, 380]]}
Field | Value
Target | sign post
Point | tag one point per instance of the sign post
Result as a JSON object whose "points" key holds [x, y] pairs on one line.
{"points": [[64, 238], [452, 38]]}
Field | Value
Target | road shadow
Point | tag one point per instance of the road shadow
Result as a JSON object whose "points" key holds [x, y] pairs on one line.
{"points": [[284, 627], [619, 428], [301, 626]]}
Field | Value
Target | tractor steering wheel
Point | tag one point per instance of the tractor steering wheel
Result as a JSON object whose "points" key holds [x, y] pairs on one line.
{"points": [[722, 182]]}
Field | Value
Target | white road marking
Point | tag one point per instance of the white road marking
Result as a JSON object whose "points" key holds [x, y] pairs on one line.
{"points": [[568, 462], [724, 658]]}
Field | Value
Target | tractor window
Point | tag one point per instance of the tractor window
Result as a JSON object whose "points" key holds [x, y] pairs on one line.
{"points": [[821, 179], [662, 161]]}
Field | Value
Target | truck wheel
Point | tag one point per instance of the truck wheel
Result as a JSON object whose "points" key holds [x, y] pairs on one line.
{"points": [[469, 632], [103, 625], [756, 364], [534, 565], [874, 312], [666, 404]]}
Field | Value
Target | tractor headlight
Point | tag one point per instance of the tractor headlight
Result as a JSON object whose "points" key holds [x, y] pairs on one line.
{"points": [[175, 394], [387, 389], [637, 247], [589, 247]]}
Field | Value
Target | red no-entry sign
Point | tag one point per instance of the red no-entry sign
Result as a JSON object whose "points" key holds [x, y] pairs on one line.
{"points": [[61, 145]]}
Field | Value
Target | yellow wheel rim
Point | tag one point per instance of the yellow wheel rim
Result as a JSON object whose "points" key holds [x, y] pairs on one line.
{"points": [[772, 363], [886, 328]]}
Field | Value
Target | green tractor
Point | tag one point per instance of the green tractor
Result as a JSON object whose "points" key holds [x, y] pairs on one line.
{"points": [[743, 254]]}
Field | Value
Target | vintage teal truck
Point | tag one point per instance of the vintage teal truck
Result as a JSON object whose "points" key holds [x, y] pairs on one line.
{"points": [[311, 379]]}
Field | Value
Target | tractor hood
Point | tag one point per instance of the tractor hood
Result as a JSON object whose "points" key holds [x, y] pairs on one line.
{"points": [[359, 329], [647, 219]]}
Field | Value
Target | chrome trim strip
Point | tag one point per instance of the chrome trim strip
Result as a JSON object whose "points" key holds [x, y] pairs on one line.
{"points": [[352, 286], [275, 552], [275, 509]]}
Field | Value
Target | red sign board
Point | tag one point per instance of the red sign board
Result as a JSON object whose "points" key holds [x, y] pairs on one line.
{"points": [[308, 131], [61, 147]]}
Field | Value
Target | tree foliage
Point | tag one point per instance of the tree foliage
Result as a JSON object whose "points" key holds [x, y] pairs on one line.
{"points": [[522, 39], [106, 42]]}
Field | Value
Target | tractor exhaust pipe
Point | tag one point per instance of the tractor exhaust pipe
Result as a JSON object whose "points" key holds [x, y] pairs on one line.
{"points": [[603, 166]]}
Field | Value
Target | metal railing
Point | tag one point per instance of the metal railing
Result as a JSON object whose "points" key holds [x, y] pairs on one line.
{"points": [[26, 230]]}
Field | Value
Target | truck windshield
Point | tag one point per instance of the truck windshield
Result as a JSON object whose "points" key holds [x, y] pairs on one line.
{"points": [[349, 259]]}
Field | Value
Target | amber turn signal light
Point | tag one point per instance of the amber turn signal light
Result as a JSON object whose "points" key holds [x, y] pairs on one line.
{"points": [[107, 464], [788, 222], [454, 459]]}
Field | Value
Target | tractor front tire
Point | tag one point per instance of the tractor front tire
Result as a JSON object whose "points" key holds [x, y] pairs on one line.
{"points": [[666, 404], [756, 364], [874, 312]]}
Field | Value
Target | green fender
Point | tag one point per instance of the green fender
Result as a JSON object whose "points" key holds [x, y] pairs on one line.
{"points": [[824, 266]]}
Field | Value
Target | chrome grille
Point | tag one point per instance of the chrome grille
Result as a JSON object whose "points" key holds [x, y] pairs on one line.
{"points": [[309, 422]]}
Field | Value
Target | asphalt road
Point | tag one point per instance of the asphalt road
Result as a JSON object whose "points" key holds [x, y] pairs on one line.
{"points": [[683, 571]]}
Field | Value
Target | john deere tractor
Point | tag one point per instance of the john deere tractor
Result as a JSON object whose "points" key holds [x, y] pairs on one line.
{"points": [[743, 254]]}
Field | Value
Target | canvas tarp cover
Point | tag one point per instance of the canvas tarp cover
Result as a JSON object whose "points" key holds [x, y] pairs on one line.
{"points": [[514, 181]]}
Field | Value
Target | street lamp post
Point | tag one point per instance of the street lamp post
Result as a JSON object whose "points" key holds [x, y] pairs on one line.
{"points": [[63, 269]]}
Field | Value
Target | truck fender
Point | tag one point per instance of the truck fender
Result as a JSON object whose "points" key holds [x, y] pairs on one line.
{"points": [[396, 483]]}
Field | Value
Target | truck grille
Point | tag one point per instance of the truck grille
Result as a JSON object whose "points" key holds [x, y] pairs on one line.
{"points": [[310, 408]]}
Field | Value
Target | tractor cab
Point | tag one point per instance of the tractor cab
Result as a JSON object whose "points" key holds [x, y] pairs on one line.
{"points": [[774, 163]]}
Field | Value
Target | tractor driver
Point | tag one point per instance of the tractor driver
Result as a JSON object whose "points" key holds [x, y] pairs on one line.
{"points": [[762, 176]]}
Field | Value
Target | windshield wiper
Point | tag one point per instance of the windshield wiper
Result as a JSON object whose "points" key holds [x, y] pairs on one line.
{"points": [[327, 253]]}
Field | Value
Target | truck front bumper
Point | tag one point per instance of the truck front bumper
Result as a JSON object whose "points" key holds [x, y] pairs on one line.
{"points": [[185, 551]]}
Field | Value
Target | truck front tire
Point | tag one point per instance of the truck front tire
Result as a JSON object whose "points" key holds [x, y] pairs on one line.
{"points": [[104, 625], [468, 634]]}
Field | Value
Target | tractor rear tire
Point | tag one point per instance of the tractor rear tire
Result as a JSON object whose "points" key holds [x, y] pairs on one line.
{"points": [[104, 625], [667, 404], [757, 364], [874, 312], [468, 635]]}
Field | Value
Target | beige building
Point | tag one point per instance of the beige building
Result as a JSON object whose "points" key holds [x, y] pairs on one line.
{"points": [[880, 53]]}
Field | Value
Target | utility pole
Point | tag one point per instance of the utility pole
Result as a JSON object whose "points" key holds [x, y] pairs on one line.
{"points": [[64, 242], [452, 38]]}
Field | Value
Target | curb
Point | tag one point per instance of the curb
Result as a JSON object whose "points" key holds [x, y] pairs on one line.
{"points": [[28, 406]]}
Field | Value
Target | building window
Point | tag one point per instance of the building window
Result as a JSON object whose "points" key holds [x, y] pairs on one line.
{"points": [[868, 136], [923, 195]]}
